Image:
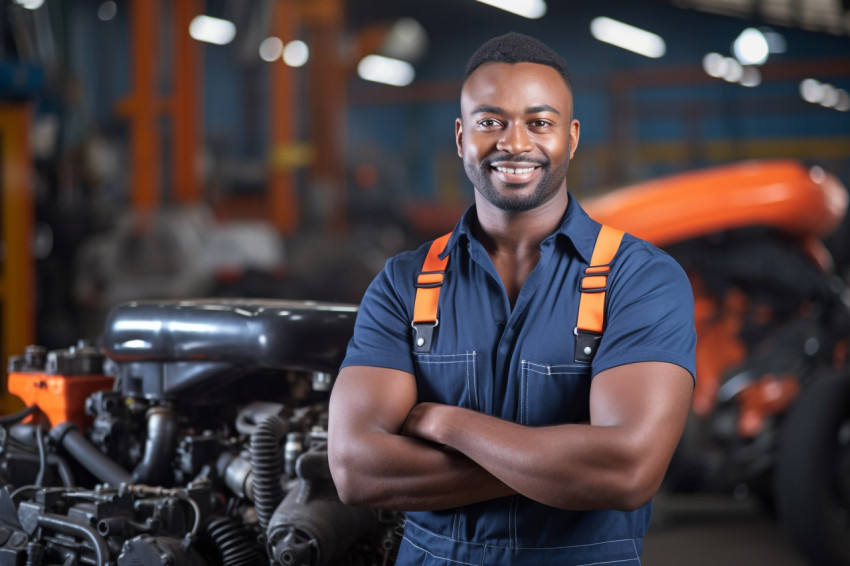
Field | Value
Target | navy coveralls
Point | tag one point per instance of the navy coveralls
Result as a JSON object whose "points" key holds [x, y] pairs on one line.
{"points": [[518, 364]]}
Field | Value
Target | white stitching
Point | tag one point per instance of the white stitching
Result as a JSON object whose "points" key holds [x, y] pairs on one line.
{"points": [[410, 542]]}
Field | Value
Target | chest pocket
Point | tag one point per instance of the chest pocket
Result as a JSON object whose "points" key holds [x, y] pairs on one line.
{"points": [[448, 378], [553, 394]]}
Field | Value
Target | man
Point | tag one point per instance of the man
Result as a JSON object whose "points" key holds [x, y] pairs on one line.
{"points": [[502, 448]]}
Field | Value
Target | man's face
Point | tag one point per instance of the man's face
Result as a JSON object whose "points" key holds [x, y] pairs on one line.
{"points": [[516, 134]]}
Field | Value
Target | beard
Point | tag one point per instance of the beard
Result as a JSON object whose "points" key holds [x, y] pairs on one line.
{"points": [[511, 200]]}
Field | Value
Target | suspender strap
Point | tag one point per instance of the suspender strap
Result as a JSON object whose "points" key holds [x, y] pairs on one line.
{"points": [[428, 285], [594, 284]]}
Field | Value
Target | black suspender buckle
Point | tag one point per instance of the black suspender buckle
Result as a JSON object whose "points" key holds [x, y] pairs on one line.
{"points": [[423, 336], [586, 345]]}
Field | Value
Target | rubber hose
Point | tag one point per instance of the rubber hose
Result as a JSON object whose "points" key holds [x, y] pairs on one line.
{"points": [[232, 542], [267, 466], [87, 454], [155, 467]]}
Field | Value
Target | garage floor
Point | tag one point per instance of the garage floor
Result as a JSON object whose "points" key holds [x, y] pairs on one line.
{"points": [[715, 531]]}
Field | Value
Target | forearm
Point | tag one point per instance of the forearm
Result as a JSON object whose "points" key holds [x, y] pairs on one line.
{"points": [[389, 471], [567, 466]]}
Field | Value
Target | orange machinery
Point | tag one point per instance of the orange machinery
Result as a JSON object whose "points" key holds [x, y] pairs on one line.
{"points": [[806, 204]]}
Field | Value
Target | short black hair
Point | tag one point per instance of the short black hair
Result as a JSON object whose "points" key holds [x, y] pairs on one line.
{"points": [[515, 48]]}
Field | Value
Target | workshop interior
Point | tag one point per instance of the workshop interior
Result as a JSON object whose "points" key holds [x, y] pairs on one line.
{"points": [[195, 194]]}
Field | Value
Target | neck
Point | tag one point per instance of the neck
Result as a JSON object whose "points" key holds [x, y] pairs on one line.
{"points": [[515, 232]]}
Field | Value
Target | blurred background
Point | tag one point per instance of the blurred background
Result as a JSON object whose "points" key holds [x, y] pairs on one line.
{"points": [[287, 148]]}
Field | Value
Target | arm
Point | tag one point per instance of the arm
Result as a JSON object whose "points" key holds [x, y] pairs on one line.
{"points": [[637, 415], [374, 466]]}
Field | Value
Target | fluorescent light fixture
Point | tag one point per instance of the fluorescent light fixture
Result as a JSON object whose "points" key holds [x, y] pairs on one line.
{"points": [[30, 4], [532, 9], [379, 69], [751, 47], [628, 37], [212, 30], [271, 49], [811, 90], [296, 53]]}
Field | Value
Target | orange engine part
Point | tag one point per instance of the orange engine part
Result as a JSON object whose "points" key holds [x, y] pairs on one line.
{"points": [[60, 397]]}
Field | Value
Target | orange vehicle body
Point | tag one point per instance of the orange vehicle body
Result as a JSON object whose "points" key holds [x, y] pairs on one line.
{"points": [[806, 204]]}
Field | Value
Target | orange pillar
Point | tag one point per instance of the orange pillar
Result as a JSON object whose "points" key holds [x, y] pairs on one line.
{"points": [[143, 107], [187, 104], [327, 100], [283, 199], [17, 279]]}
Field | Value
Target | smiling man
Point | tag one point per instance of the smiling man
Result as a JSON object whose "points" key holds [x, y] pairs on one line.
{"points": [[508, 433]]}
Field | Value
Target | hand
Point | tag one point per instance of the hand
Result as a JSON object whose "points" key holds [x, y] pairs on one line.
{"points": [[422, 422]]}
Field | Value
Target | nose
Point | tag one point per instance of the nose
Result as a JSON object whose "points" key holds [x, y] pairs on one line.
{"points": [[515, 140]]}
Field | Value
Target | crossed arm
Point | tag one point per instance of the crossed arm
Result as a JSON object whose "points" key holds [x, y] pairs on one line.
{"points": [[388, 452]]}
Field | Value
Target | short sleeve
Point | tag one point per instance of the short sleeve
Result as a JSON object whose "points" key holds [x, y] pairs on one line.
{"points": [[382, 330], [650, 312]]}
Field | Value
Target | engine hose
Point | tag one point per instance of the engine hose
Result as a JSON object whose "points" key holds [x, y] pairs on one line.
{"points": [[267, 466], [232, 542], [75, 527], [155, 467], [87, 454]]}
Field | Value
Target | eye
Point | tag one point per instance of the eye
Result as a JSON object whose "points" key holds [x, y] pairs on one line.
{"points": [[540, 123], [489, 123]]}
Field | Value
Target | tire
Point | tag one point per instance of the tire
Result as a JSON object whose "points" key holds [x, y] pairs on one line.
{"points": [[812, 481]]}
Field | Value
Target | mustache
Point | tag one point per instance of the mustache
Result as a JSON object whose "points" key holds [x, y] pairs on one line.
{"points": [[502, 156]]}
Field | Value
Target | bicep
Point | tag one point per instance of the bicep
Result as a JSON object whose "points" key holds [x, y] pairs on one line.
{"points": [[371, 399], [649, 401]]}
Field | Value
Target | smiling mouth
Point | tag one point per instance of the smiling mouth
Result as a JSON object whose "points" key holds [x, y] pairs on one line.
{"points": [[515, 171], [515, 175]]}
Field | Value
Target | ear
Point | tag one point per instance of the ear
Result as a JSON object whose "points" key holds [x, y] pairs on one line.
{"points": [[459, 137], [575, 129]]}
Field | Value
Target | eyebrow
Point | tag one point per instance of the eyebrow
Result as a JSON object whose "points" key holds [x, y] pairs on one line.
{"points": [[486, 109]]}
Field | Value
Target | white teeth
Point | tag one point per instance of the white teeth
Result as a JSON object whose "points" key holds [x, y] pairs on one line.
{"points": [[514, 171]]}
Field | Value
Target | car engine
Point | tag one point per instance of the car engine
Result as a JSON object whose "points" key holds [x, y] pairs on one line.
{"points": [[194, 433]]}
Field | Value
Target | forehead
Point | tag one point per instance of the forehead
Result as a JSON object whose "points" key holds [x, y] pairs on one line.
{"points": [[515, 86]]}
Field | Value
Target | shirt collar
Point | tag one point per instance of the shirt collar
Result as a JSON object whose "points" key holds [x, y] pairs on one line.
{"points": [[576, 227]]}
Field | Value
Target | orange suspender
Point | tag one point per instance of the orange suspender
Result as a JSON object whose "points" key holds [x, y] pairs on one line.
{"points": [[428, 295], [591, 310], [591, 307]]}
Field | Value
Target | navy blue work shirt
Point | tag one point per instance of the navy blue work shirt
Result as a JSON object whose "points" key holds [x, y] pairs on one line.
{"points": [[518, 364]]}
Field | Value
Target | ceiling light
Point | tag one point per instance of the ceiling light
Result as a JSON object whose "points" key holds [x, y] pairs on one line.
{"points": [[271, 49], [751, 47], [526, 8], [107, 10], [385, 70], [829, 97], [406, 40], [811, 90], [628, 37], [734, 71], [296, 53], [30, 4], [714, 64], [751, 76], [843, 103], [212, 30]]}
